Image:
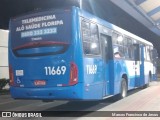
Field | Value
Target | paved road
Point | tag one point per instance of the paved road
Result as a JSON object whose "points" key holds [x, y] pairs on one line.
{"points": [[138, 100]]}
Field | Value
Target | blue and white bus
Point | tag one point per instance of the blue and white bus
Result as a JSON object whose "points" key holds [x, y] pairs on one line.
{"points": [[69, 54]]}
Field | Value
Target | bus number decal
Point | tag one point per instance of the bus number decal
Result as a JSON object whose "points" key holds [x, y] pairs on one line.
{"points": [[55, 71], [91, 69]]}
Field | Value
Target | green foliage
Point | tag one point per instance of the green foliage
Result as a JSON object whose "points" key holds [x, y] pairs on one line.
{"points": [[3, 83]]}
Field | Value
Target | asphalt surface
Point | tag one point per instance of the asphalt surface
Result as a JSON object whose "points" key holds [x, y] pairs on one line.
{"points": [[147, 99]]}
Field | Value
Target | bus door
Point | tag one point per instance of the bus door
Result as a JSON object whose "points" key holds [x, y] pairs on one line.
{"points": [[142, 76], [139, 65], [106, 52], [154, 55]]}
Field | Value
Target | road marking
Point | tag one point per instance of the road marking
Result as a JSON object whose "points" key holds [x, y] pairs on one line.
{"points": [[43, 104], [9, 102], [25, 107]]}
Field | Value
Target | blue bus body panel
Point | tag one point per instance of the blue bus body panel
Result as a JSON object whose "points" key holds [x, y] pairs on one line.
{"points": [[53, 93], [93, 77], [38, 71]]}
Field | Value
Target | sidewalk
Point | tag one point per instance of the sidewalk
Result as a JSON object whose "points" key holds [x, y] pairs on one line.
{"points": [[6, 87]]}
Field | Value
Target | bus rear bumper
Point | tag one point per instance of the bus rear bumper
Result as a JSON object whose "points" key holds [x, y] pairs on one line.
{"points": [[53, 93]]}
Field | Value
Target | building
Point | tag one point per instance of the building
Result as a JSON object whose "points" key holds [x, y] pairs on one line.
{"points": [[4, 54]]}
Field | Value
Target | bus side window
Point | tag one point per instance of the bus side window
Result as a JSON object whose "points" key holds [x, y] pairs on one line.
{"points": [[126, 51], [90, 37], [94, 32], [106, 46], [118, 48], [130, 48], [145, 53], [148, 53], [137, 51], [86, 30]]}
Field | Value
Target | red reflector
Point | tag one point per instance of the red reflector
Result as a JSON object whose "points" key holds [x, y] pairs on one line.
{"points": [[73, 74], [11, 76], [39, 82]]}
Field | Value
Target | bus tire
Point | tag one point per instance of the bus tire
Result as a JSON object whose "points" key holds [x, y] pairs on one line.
{"points": [[150, 77], [123, 92], [149, 80]]}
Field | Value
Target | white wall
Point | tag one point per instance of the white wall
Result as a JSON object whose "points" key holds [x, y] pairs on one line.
{"points": [[4, 54], [3, 37]]}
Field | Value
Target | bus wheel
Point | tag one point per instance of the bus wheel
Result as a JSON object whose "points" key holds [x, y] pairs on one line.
{"points": [[150, 77], [123, 93], [149, 80]]}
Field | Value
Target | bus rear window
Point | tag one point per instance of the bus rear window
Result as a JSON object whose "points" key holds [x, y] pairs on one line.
{"points": [[41, 29], [40, 49]]}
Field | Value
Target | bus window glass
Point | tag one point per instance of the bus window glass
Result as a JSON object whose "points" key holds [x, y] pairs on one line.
{"points": [[86, 47], [114, 38], [145, 55], [85, 25], [90, 38], [148, 53], [94, 32], [130, 48], [126, 51], [86, 31], [118, 45]]}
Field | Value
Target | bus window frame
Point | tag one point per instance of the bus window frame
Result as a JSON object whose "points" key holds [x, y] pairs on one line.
{"points": [[82, 19], [133, 41], [121, 45]]}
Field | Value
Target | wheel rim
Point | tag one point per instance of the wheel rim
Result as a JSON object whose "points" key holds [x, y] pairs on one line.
{"points": [[124, 89]]}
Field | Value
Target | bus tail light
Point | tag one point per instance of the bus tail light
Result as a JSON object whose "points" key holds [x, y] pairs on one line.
{"points": [[11, 76], [73, 74]]}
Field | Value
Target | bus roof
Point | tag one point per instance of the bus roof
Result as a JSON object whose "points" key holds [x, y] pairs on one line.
{"points": [[112, 26]]}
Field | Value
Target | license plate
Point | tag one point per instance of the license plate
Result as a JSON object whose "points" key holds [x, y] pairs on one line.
{"points": [[39, 82]]}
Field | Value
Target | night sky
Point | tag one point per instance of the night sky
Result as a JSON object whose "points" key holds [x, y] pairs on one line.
{"points": [[102, 8]]}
